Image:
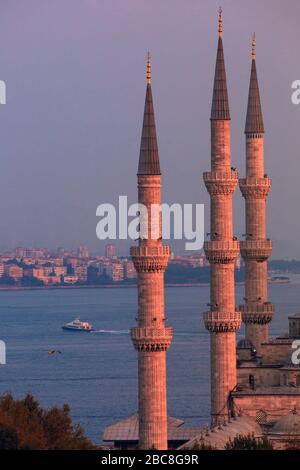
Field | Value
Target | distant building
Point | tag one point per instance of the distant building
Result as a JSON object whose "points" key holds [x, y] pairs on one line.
{"points": [[57, 261], [83, 252], [28, 261], [1, 269], [38, 273], [13, 271], [73, 262], [110, 251], [129, 270], [197, 261], [115, 272], [59, 270], [60, 252], [36, 253], [70, 279], [20, 252], [81, 272], [48, 270], [52, 279], [39, 261]]}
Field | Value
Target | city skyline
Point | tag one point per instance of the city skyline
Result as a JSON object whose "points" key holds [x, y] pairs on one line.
{"points": [[65, 146]]}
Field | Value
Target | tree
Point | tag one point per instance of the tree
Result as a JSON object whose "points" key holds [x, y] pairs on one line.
{"points": [[8, 438], [248, 442], [24, 424], [202, 445]]}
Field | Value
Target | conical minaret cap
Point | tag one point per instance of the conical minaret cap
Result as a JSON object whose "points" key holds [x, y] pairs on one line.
{"points": [[220, 103], [254, 119], [149, 157]]}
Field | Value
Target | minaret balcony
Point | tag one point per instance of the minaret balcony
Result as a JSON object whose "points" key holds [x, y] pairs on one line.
{"points": [[258, 250], [255, 188], [257, 313], [222, 322], [151, 339], [150, 258], [220, 182], [221, 252]]}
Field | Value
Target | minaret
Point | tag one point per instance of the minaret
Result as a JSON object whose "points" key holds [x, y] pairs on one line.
{"points": [[222, 321], [257, 311], [151, 338]]}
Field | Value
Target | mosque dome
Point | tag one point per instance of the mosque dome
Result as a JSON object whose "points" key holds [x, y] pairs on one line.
{"points": [[288, 425], [245, 343]]}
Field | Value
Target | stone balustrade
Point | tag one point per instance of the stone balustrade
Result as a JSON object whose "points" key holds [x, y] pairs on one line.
{"points": [[150, 258], [259, 250], [220, 182], [255, 312], [151, 339], [217, 322], [221, 252], [255, 188]]}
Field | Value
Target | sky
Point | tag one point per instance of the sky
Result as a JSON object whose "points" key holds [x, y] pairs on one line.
{"points": [[75, 77]]}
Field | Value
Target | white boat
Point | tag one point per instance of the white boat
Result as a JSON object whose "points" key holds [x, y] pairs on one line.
{"points": [[78, 325]]}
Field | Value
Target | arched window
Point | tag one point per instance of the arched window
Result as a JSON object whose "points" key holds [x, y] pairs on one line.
{"points": [[284, 379]]}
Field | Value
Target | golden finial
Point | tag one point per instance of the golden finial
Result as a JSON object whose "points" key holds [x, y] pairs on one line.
{"points": [[253, 47], [220, 22], [148, 68]]}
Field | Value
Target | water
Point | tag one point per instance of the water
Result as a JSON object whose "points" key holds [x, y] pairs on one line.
{"points": [[96, 374]]}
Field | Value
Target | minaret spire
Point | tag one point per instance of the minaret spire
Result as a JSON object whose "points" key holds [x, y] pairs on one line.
{"points": [[222, 320], [253, 47], [149, 68], [257, 311], [220, 22], [149, 157], [254, 119], [151, 337], [220, 104]]}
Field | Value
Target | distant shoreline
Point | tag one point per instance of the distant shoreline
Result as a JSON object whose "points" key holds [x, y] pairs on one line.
{"points": [[108, 286], [117, 286]]}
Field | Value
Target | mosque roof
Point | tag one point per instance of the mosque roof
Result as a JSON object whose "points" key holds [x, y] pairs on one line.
{"points": [[287, 425], [219, 436], [128, 430]]}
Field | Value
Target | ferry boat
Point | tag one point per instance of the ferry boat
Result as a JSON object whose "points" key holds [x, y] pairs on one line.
{"points": [[77, 325], [280, 280]]}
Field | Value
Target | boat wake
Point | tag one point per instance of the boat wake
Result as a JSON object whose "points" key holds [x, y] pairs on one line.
{"points": [[112, 332]]}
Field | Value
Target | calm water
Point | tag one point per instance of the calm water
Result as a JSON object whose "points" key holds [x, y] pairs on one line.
{"points": [[96, 373]]}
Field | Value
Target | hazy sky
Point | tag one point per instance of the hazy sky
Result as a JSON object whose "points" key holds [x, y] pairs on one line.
{"points": [[75, 76]]}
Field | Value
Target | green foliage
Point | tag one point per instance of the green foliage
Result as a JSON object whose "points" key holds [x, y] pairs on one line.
{"points": [[201, 445], [24, 424], [7, 281], [248, 442]]}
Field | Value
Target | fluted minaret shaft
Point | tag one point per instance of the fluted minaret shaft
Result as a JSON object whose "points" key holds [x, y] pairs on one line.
{"points": [[222, 321], [151, 338], [257, 311]]}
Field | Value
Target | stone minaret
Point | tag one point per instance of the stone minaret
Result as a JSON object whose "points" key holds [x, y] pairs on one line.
{"points": [[257, 311], [151, 338], [222, 320]]}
